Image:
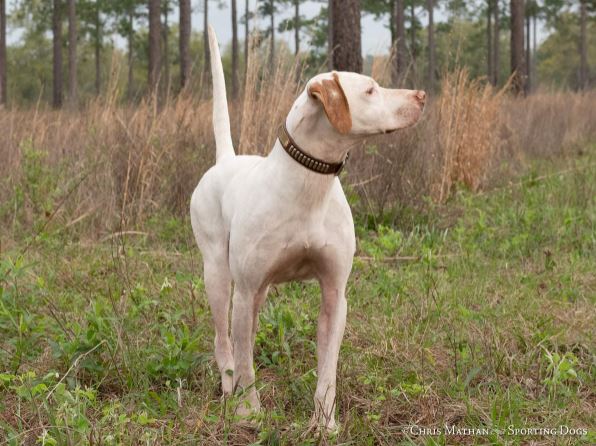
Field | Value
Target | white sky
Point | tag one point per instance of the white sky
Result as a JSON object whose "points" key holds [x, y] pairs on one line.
{"points": [[375, 34]]}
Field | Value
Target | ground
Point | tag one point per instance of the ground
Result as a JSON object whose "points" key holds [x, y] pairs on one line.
{"points": [[475, 314]]}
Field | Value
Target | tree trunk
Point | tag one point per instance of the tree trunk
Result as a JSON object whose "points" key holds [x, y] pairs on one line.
{"points": [[489, 41], [518, 63], [272, 24], [392, 20], [3, 60], [413, 34], [533, 65], [583, 47], [496, 42], [57, 50], [330, 48], [296, 27], [399, 67], [154, 45], [246, 36], [346, 35], [234, 50], [98, 39], [528, 56], [431, 45], [72, 53], [206, 54], [166, 50], [184, 43], [130, 51]]}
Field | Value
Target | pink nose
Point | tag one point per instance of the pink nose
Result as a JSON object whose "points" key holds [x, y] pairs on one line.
{"points": [[420, 96]]}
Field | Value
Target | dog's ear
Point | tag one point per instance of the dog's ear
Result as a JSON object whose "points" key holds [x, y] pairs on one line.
{"points": [[334, 101]]}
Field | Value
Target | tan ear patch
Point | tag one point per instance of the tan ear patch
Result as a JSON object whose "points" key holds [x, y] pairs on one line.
{"points": [[334, 102]]}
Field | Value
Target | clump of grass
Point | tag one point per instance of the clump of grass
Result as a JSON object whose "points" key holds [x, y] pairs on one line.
{"points": [[468, 128]]}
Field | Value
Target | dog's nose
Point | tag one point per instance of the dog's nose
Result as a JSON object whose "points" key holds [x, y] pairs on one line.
{"points": [[420, 96]]}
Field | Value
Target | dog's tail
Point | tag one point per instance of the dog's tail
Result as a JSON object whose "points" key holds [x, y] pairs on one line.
{"points": [[221, 118]]}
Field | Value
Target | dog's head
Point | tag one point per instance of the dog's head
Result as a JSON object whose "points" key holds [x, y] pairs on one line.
{"points": [[338, 109], [356, 105]]}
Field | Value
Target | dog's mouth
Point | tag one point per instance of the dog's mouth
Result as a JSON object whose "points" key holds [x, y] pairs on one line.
{"points": [[386, 132]]}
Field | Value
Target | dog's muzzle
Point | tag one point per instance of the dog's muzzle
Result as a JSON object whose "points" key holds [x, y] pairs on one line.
{"points": [[306, 160]]}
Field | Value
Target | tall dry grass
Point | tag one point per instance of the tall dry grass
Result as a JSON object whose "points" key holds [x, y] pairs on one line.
{"points": [[111, 166]]}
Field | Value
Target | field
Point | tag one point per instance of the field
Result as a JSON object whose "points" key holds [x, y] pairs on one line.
{"points": [[471, 303], [479, 313]]}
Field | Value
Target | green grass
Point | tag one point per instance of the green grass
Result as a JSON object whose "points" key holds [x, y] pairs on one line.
{"points": [[479, 314]]}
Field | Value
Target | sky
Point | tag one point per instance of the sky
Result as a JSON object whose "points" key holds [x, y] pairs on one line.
{"points": [[375, 34], [376, 37]]}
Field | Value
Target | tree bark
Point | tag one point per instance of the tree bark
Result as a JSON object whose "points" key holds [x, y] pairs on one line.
{"points": [[206, 53], [98, 39], [246, 36], [166, 49], [235, 54], [413, 33], [345, 34], [3, 59], [489, 40], [431, 45], [518, 63], [272, 24], [583, 46], [72, 52], [184, 43], [528, 56], [296, 27], [154, 45], [400, 64], [533, 65], [496, 43], [330, 44], [392, 20], [57, 52], [130, 51]]}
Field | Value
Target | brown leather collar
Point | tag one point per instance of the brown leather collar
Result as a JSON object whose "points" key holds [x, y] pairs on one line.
{"points": [[306, 160]]}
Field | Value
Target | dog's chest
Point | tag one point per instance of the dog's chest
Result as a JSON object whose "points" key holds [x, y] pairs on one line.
{"points": [[285, 256], [298, 257]]}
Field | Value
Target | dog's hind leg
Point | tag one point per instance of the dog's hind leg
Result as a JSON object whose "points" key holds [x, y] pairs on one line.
{"points": [[244, 314], [217, 286]]}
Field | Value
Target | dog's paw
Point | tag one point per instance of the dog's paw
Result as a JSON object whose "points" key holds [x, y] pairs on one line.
{"points": [[227, 382], [320, 424], [245, 410]]}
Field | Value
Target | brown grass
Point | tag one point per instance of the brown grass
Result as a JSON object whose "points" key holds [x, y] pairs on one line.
{"points": [[110, 166]]}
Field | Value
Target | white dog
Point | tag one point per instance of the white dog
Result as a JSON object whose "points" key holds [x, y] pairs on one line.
{"points": [[265, 220]]}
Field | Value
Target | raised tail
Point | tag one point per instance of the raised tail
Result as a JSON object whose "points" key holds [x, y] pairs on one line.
{"points": [[221, 118]]}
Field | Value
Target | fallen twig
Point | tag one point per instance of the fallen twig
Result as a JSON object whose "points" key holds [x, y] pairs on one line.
{"points": [[120, 233], [74, 364]]}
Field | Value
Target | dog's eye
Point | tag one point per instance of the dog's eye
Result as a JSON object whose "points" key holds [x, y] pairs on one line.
{"points": [[370, 91]]}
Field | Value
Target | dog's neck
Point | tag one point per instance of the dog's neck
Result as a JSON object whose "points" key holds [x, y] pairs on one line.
{"points": [[315, 136], [310, 129]]}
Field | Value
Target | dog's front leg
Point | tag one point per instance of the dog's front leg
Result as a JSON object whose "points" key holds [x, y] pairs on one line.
{"points": [[243, 315], [330, 330]]}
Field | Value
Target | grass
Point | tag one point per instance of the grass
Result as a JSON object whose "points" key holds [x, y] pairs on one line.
{"points": [[478, 313]]}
